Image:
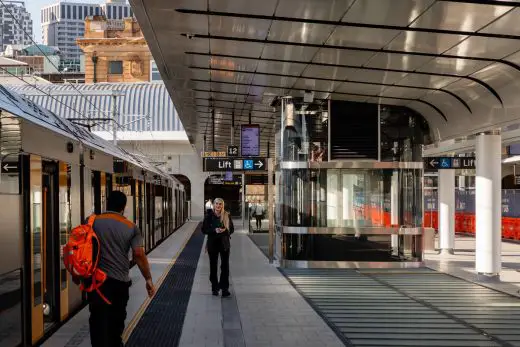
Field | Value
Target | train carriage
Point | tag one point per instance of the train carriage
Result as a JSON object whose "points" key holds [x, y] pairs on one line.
{"points": [[53, 175]]}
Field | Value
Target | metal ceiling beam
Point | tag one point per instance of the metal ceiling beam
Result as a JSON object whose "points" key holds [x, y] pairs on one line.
{"points": [[347, 24], [353, 94], [361, 49], [487, 2], [473, 79], [342, 81]]}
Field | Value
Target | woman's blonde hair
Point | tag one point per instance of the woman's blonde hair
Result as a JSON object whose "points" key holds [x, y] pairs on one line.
{"points": [[224, 215]]}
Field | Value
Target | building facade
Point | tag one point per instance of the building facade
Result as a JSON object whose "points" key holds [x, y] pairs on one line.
{"points": [[17, 30], [63, 22], [115, 51]]}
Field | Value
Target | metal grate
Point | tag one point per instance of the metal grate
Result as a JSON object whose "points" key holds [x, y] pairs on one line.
{"points": [[162, 322], [409, 308]]}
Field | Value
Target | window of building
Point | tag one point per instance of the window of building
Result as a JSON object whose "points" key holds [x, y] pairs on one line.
{"points": [[91, 10], [97, 11], [120, 12], [126, 12], [115, 67], [155, 76], [74, 13], [81, 12], [68, 12]]}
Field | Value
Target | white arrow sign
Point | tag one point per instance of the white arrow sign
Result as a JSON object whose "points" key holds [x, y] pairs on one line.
{"points": [[259, 164], [7, 167], [434, 163]]}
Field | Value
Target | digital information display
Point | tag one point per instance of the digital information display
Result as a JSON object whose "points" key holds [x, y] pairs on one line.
{"points": [[250, 140]]}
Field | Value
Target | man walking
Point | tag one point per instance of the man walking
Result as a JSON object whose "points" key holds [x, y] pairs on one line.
{"points": [[117, 235]]}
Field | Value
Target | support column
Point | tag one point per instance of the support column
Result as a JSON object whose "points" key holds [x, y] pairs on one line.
{"points": [[488, 211], [447, 211]]}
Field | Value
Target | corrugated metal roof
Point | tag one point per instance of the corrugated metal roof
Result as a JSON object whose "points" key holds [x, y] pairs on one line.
{"points": [[29, 110], [409, 308], [150, 99]]}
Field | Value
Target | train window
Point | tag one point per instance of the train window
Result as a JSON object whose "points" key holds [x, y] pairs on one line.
{"points": [[65, 215], [10, 144], [36, 226]]}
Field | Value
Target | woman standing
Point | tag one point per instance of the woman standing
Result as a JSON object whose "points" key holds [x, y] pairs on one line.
{"points": [[218, 226]]}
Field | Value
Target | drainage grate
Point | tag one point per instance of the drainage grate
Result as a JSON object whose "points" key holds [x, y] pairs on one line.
{"points": [[162, 322], [409, 308]]}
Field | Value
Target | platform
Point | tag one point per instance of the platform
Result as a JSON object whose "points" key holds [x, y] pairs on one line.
{"points": [[313, 307]]}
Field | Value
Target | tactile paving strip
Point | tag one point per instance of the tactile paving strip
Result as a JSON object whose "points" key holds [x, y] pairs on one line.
{"points": [[409, 308], [162, 322]]}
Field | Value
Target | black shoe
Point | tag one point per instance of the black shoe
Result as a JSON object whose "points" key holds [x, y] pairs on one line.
{"points": [[215, 292], [225, 293]]}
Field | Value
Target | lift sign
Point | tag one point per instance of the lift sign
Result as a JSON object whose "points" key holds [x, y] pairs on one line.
{"points": [[443, 163], [234, 164]]}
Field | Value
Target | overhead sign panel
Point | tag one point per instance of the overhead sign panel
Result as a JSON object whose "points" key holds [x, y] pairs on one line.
{"points": [[443, 163], [250, 140], [214, 154], [232, 151], [10, 167], [235, 164]]}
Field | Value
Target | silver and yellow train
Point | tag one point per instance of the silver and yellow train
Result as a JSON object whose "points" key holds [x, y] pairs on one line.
{"points": [[53, 175]]}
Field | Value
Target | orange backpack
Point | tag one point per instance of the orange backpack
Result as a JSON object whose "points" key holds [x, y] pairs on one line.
{"points": [[81, 258]]}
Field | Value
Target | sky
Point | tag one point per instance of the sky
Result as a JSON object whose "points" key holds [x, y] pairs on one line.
{"points": [[34, 7]]}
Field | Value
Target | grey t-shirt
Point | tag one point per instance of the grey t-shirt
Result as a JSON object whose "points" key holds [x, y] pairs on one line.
{"points": [[117, 235]]}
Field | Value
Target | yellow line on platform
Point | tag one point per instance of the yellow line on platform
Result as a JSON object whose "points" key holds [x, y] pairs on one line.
{"points": [[137, 317]]}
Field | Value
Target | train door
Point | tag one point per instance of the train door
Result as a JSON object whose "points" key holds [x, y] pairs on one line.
{"points": [[50, 261], [45, 246]]}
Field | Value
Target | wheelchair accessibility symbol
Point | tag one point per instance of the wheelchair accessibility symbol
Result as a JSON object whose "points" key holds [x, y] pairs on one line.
{"points": [[248, 165], [445, 163]]}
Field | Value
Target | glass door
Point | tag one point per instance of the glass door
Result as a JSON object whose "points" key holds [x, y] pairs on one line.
{"points": [[50, 265]]}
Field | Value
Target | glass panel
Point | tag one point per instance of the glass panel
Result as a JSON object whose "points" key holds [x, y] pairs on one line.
{"points": [[36, 226], [350, 198], [10, 145], [103, 185], [65, 216], [304, 132]]}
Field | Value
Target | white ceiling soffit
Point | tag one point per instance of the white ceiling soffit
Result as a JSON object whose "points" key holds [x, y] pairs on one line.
{"points": [[455, 62]]}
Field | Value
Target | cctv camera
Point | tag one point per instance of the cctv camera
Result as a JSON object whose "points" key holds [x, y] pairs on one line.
{"points": [[190, 36]]}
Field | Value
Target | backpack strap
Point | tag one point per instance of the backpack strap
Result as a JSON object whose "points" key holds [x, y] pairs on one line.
{"points": [[91, 220]]}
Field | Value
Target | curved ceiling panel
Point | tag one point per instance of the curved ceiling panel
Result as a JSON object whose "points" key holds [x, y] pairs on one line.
{"points": [[455, 62]]}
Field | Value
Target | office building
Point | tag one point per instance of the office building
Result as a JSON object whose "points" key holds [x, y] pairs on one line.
{"points": [[17, 30], [63, 22]]}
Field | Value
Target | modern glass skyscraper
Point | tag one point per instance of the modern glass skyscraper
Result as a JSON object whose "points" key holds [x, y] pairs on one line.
{"points": [[63, 22]]}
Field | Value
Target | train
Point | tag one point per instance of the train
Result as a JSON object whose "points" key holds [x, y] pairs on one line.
{"points": [[54, 174]]}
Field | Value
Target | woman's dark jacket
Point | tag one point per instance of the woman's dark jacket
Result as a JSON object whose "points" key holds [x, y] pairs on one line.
{"points": [[216, 241]]}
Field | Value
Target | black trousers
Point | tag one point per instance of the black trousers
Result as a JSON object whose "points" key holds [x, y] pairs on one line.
{"points": [[107, 322], [259, 221], [214, 253]]}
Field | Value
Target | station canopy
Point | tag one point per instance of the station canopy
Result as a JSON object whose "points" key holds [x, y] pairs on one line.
{"points": [[457, 63]]}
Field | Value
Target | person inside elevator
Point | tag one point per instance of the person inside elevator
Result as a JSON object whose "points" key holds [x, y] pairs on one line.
{"points": [[218, 226], [259, 212]]}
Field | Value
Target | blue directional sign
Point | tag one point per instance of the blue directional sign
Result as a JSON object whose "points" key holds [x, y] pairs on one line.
{"points": [[231, 164], [443, 163], [249, 164]]}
